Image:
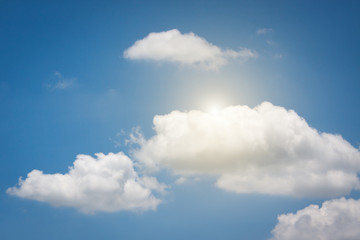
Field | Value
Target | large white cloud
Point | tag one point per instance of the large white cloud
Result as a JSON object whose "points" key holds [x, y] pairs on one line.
{"points": [[267, 149], [187, 49], [108, 183], [337, 219]]}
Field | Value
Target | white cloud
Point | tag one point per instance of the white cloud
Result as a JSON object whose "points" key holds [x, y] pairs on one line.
{"points": [[337, 219], [263, 31], [59, 82], [267, 149], [181, 180], [108, 183], [187, 49]]}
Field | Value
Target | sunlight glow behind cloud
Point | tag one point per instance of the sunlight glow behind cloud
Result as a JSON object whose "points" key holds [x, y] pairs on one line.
{"points": [[267, 149]]}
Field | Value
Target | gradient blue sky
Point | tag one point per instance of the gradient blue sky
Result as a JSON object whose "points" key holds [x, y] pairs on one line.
{"points": [[44, 127]]}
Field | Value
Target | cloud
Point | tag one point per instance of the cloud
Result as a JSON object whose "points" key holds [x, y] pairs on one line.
{"points": [[271, 43], [267, 149], [186, 49], [263, 31], [181, 180], [60, 83], [278, 56], [337, 219], [107, 183]]}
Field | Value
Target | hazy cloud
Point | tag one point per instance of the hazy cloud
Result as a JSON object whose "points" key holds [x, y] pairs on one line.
{"points": [[181, 180], [337, 219], [271, 43], [263, 31], [106, 183], [59, 82], [278, 56], [186, 49], [267, 149]]}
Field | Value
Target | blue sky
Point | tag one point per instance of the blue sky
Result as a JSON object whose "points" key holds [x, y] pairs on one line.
{"points": [[67, 88]]}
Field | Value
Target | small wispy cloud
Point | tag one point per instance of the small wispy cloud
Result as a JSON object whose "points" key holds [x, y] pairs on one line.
{"points": [[263, 31], [181, 180], [271, 43], [116, 140], [278, 56], [59, 82]]}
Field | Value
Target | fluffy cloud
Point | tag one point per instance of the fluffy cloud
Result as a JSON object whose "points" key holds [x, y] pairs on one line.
{"points": [[337, 219], [267, 149], [108, 183], [187, 49]]}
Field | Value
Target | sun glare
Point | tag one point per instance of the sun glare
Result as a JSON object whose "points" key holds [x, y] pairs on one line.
{"points": [[213, 105], [214, 110]]}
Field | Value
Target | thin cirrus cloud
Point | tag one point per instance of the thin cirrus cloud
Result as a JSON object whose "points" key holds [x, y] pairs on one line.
{"points": [[337, 219], [107, 183], [263, 31], [59, 82], [266, 149], [186, 49]]}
